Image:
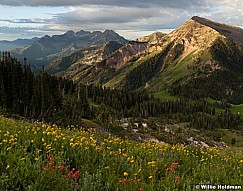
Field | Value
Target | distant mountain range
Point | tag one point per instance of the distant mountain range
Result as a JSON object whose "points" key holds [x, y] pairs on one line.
{"points": [[201, 58], [47, 49], [9, 45]]}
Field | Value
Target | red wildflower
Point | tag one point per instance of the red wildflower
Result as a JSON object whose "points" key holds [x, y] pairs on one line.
{"points": [[178, 179], [168, 169], [53, 166], [139, 180], [76, 175], [71, 174], [48, 158], [62, 168], [175, 164], [64, 176], [121, 181], [73, 169], [140, 189]]}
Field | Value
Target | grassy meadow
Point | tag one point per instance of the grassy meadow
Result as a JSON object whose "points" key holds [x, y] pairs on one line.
{"points": [[38, 156]]}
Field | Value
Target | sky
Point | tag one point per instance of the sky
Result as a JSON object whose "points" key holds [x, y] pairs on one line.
{"points": [[129, 18]]}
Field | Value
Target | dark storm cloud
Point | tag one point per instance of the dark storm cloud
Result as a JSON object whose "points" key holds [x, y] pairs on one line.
{"points": [[120, 3]]}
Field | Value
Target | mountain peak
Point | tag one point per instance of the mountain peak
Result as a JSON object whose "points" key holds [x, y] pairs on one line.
{"points": [[231, 32], [110, 35], [109, 31], [195, 18], [82, 32], [207, 22], [69, 33]]}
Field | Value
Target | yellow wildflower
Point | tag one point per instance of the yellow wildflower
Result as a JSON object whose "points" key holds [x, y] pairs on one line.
{"points": [[125, 174]]}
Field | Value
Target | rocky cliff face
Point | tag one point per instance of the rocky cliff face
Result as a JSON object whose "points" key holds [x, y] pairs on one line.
{"points": [[155, 41], [130, 51]]}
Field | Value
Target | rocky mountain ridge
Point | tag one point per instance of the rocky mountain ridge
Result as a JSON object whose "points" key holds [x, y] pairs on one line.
{"points": [[84, 57], [50, 48]]}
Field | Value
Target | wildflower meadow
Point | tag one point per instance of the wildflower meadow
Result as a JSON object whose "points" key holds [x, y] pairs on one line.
{"points": [[38, 156]]}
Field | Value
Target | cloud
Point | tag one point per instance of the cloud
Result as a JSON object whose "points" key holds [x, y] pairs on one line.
{"points": [[36, 21], [127, 16], [106, 14], [124, 15], [119, 18], [226, 11], [124, 3], [12, 33]]}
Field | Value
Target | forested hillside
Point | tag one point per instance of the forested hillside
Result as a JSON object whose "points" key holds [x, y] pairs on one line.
{"points": [[53, 99], [38, 97]]}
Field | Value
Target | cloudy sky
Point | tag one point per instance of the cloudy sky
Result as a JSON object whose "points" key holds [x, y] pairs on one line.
{"points": [[130, 18]]}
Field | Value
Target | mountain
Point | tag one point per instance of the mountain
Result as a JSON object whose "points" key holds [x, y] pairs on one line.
{"points": [[102, 70], [231, 32], [47, 49], [9, 45], [84, 57], [154, 41], [201, 58]]}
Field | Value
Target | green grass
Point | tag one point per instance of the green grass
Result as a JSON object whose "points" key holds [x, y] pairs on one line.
{"points": [[171, 73], [92, 103], [36, 156], [122, 73], [210, 100], [237, 109], [165, 96], [90, 124], [229, 134]]}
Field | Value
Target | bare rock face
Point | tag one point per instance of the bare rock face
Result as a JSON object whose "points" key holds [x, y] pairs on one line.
{"points": [[154, 37], [155, 41], [86, 56], [129, 51]]}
